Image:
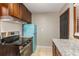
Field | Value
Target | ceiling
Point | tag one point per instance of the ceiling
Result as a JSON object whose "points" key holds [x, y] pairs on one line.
{"points": [[44, 7]]}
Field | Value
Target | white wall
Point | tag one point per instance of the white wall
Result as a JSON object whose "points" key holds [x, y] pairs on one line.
{"points": [[71, 21], [47, 27]]}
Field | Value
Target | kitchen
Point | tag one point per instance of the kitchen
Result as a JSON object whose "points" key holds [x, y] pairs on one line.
{"points": [[14, 19], [33, 26]]}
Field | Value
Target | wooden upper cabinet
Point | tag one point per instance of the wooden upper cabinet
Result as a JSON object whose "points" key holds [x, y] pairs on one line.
{"points": [[3, 9], [29, 16], [11, 9], [20, 11], [26, 14], [24, 17], [17, 10], [0, 11], [14, 10]]}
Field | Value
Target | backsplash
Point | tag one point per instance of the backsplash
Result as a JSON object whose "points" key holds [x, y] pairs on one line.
{"points": [[7, 26], [6, 34]]}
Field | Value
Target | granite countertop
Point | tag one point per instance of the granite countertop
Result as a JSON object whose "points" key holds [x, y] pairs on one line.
{"points": [[67, 47]]}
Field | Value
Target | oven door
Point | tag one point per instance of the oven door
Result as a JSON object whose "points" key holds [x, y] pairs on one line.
{"points": [[27, 50]]}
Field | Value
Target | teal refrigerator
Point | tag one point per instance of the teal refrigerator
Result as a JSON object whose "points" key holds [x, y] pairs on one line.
{"points": [[30, 30]]}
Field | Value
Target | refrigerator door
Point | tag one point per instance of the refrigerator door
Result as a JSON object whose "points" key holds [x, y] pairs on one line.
{"points": [[30, 30]]}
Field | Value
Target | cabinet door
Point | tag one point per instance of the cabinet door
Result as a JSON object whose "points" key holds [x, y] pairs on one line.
{"points": [[11, 9], [26, 14], [54, 49], [23, 12], [57, 52], [29, 17], [0, 11], [14, 10], [3, 9], [20, 11]]}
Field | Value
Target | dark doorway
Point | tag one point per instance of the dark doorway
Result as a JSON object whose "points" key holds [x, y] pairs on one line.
{"points": [[64, 25]]}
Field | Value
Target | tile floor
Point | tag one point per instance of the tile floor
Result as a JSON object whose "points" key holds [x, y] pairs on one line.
{"points": [[43, 51]]}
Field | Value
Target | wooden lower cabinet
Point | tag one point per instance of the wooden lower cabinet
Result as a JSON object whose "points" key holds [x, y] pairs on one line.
{"points": [[55, 50], [9, 50]]}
